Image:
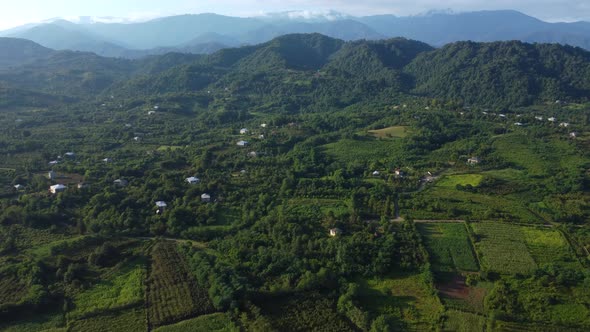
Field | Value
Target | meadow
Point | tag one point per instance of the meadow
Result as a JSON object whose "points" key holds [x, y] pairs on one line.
{"points": [[451, 181], [449, 246], [354, 150], [459, 321], [390, 132], [129, 320]]}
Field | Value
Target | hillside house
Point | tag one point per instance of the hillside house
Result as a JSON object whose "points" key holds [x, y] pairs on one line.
{"points": [[398, 172], [107, 160], [264, 125], [82, 185], [335, 232], [70, 154], [52, 175], [58, 188], [376, 173], [121, 183], [473, 161], [242, 143], [205, 198], [243, 131], [552, 119], [253, 154], [518, 124], [193, 180], [540, 118], [573, 134], [19, 187], [564, 124], [53, 163]]}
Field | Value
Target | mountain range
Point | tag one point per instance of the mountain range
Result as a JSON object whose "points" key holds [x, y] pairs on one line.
{"points": [[208, 33], [302, 68]]}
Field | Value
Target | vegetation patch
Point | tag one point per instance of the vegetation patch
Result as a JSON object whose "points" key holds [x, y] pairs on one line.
{"points": [[130, 320], [390, 132], [452, 181], [449, 246], [460, 321], [218, 322], [349, 150]]}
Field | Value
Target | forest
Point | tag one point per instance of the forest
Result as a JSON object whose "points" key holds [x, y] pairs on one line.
{"points": [[304, 184]]}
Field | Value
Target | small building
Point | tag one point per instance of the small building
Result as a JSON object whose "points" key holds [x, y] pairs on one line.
{"points": [[121, 183], [107, 160], [264, 125], [518, 124], [82, 185], [156, 107], [540, 118], [552, 119], [473, 161], [51, 175], [261, 136], [376, 173], [19, 187], [161, 206], [70, 154], [193, 180], [206, 198], [243, 131], [573, 134], [137, 138], [502, 115], [242, 143], [564, 124], [335, 232], [398, 172], [53, 163], [151, 112], [253, 154], [58, 188]]}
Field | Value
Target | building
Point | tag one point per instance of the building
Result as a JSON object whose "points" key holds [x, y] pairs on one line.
{"points": [[58, 188], [51, 175], [564, 124], [376, 173], [253, 154], [264, 125], [335, 232], [206, 198], [82, 185], [242, 143], [552, 119], [540, 118], [473, 161], [121, 183], [70, 154], [243, 131], [193, 180], [53, 162], [399, 173], [519, 124], [19, 187], [107, 160], [161, 206], [573, 134]]}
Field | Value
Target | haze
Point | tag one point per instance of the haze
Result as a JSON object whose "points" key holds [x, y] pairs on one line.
{"points": [[15, 13]]}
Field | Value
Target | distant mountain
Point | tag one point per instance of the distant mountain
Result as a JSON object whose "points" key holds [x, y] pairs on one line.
{"points": [[17, 52], [484, 26]]}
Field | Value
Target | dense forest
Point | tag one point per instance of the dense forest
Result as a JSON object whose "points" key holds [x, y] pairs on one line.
{"points": [[302, 184]]}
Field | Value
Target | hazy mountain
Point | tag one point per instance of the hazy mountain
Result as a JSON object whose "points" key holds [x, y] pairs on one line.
{"points": [[17, 52]]}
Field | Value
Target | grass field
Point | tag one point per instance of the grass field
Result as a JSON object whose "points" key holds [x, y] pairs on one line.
{"points": [[405, 297], [349, 150], [130, 320], [502, 248], [459, 321], [449, 246], [548, 246], [123, 289], [390, 132], [451, 181], [208, 323]]}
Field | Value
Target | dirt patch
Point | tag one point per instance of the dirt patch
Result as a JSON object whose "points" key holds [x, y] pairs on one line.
{"points": [[454, 292]]}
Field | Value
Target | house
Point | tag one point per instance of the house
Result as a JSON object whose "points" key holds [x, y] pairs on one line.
{"points": [[502, 115], [151, 112], [53, 162], [206, 198], [260, 136], [107, 160], [243, 131], [473, 161], [399, 173], [335, 232], [121, 183], [161, 206], [156, 107], [253, 154], [137, 138], [264, 125], [551, 119], [58, 188], [70, 154], [564, 124], [19, 187], [193, 180], [519, 124], [82, 185], [51, 175], [376, 173], [242, 143], [573, 134], [540, 118]]}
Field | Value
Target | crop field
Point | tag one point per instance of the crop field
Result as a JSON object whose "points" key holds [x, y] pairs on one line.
{"points": [[449, 246], [172, 292], [459, 321], [218, 322], [130, 320], [348, 150], [304, 312], [451, 181], [26, 237], [502, 248], [124, 289], [548, 246], [390, 132], [408, 298]]}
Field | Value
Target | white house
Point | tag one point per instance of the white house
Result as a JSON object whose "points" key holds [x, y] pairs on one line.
{"points": [[121, 183], [335, 232], [161, 206], [19, 187], [51, 175], [82, 185], [473, 161], [193, 180], [564, 124], [540, 118], [58, 188], [264, 125], [398, 172], [253, 154], [551, 119], [573, 134], [376, 173], [53, 162], [107, 160], [244, 131], [151, 112], [70, 154], [137, 138], [156, 107], [206, 198], [242, 143], [519, 124]]}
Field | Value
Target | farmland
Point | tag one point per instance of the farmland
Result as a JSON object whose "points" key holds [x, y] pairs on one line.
{"points": [[458, 321], [173, 294], [370, 150], [451, 181], [390, 132], [449, 246], [207, 323], [129, 320]]}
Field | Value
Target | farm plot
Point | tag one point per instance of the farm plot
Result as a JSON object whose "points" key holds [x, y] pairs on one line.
{"points": [[131, 320], [349, 150], [390, 132], [459, 321], [548, 246], [451, 181], [172, 292], [502, 248], [449, 246], [207, 323]]}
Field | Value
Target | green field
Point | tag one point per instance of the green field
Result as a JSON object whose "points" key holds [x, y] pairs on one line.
{"points": [[449, 246], [208, 323], [548, 246], [390, 132], [502, 248], [459, 321], [451, 181], [348, 150], [45, 322], [407, 298], [130, 320], [123, 289]]}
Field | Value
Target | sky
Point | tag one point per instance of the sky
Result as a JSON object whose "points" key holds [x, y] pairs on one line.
{"points": [[18, 12]]}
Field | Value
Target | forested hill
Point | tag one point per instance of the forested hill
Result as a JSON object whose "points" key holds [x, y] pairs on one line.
{"points": [[16, 52], [306, 67]]}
